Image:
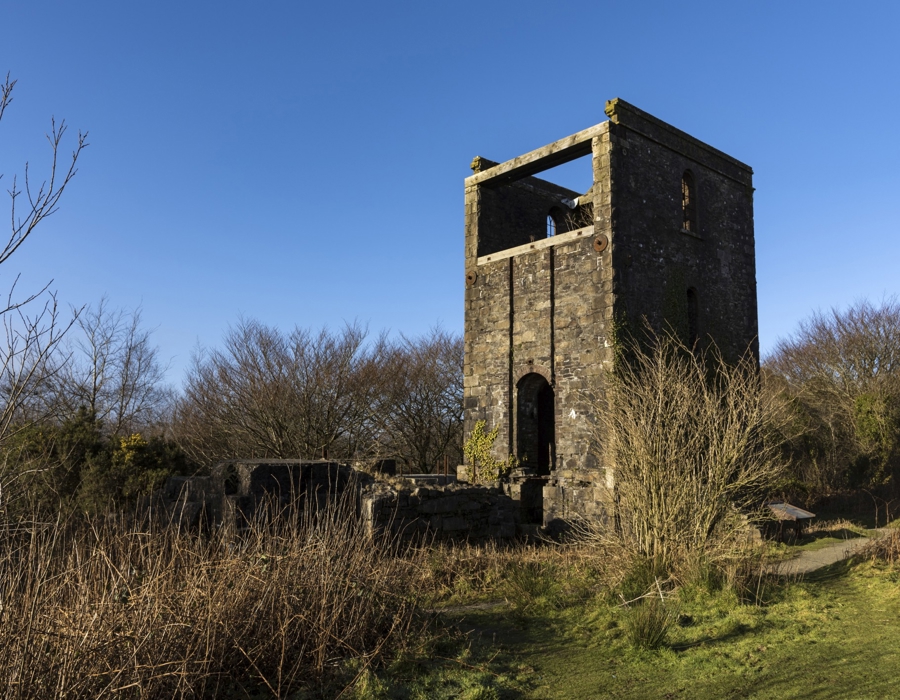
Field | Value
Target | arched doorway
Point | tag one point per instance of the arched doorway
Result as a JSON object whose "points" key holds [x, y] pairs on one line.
{"points": [[535, 423]]}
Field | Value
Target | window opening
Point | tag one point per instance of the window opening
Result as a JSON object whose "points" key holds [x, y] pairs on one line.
{"points": [[688, 202], [555, 222]]}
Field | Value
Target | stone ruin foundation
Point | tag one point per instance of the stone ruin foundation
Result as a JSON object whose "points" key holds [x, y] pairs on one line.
{"points": [[419, 507]]}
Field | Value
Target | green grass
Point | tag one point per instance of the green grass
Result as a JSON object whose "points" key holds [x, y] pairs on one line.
{"points": [[834, 635]]}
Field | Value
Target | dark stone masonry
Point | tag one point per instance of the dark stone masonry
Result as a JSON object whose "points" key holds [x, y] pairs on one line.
{"points": [[443, 513], [419, 508], [555, 278]]}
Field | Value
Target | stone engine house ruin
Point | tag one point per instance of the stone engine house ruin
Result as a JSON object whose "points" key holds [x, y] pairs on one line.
{"points": [[664, 236]]}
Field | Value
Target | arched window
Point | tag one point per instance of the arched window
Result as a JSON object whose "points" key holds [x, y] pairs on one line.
{"points": [[688, 202], [692, 319], [554, 218]]}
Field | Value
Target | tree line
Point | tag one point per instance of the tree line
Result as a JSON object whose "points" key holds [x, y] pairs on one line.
{"points": [[838, 377], [336, 394], [100, 425]]}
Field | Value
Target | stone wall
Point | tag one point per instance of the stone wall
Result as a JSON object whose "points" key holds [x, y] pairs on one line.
{"points": [[248, 485], [189, 501], [656, 260], [444, 513], [517, 214], [236, 490]]}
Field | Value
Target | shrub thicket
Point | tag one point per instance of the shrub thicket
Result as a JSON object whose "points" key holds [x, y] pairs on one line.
{"points": [[840, 377]]}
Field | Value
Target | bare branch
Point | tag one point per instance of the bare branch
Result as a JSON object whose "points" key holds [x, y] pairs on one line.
{"points": [[44, 201]]}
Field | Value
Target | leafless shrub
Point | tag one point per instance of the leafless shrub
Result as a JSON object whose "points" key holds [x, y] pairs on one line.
{"points": [[110, 607], [885, 548], [580, 216], [684, 435]]}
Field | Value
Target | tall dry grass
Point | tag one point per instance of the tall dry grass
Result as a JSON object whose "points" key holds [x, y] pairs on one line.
{"points": [[112, 608]]}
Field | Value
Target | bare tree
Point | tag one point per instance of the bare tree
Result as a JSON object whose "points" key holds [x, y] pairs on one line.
{"points": [[112, 370], [42, 199], [424, 409], [33, 333], [30, 322], [268, 394]]}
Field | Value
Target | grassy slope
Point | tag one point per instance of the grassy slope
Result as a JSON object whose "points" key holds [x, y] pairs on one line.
{"points": [[835, 635], [834, 639]]}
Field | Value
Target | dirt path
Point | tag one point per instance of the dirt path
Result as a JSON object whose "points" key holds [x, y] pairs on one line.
{"points": [[816, 559]]}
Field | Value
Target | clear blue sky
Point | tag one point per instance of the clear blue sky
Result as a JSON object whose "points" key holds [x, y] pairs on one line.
{"points": [[303, 163]]}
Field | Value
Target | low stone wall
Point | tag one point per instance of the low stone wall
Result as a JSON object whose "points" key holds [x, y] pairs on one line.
{"points": [[189, 501], [423, 507], [567, 499], [236, 490], [249, 484], [442, 513], [555, 502]]}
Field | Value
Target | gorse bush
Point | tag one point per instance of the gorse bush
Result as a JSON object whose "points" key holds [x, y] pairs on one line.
{"points": [[72, 466], [478, 450], [144, 610]]}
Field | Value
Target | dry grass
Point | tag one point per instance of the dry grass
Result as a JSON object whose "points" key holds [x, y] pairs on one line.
{"points": [[517, 573], [885, 548], [836, 528], [110, 608]]}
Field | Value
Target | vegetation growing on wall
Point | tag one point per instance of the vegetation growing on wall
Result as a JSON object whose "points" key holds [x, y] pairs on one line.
{"points": [[479, 454]]}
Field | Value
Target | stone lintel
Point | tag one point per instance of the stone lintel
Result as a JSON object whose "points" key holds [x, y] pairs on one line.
{"points": [[544, 158], [559, 239]]}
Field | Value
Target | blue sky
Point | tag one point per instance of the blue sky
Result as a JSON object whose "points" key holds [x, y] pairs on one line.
{"points": [[303, 163]]}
